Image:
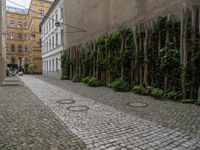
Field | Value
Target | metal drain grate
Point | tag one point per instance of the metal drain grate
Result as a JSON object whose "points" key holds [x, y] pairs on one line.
{"points": [[66, 101], [79, 108], [138, 104]]}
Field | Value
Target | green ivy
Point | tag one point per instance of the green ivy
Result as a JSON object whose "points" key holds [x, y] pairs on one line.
{"points": [[139, 90], [170, 64], [94, 82], [76, 78], [120, 85]]}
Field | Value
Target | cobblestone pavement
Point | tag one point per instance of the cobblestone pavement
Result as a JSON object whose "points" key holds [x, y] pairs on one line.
{"points": [[104, 127], [169, 114], [27, 124]]}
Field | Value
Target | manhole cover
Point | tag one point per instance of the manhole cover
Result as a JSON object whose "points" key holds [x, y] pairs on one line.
{"points": [[78, 108], [66, 101], [138, 104]]}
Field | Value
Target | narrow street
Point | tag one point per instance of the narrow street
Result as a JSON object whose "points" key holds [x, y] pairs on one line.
{"points": [[26, 123], [99, 75], [100, 126]]}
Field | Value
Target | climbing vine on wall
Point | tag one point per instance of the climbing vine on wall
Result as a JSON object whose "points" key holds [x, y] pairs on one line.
{"points": [[150, 55]]}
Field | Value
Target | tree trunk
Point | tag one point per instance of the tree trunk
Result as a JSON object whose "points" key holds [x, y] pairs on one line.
{"points": [[121, 51], [97, 69], [70, 55], [145, 56], [194, 90], [185, 53], [166, 72], [140, 49], [136, 55]]}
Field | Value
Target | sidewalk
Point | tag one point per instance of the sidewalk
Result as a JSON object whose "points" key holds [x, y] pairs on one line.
{"points": [[27, 124], [103, 127]]}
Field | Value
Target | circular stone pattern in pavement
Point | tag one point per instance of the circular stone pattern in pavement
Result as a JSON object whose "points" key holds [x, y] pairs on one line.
{"points": [[138, 104], [79, 108], [66, 101]]}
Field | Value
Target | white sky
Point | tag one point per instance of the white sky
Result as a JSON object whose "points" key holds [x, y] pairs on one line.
{"points": [[24, 3]]}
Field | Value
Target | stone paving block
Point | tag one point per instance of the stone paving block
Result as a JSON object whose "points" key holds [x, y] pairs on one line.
{"points": [[27, 124], [105, 121]]}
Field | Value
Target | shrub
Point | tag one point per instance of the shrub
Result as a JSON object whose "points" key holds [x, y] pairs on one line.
{"points": [[64, 77], [94, 82], [173, 95], [85, 80], [138, 89], [156, 92], [76, 78], [198, 101], [120, 85], [187, 101], [149, 89]]}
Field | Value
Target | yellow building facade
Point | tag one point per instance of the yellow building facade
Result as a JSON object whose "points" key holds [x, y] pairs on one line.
{"points": [[16, 41], [23, 36], [37, 11]]}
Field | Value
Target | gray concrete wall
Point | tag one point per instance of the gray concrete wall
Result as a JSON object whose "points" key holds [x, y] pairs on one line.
{"points": [[98, 16], [2, 42]]}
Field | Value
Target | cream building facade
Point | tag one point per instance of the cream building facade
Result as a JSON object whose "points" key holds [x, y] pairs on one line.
{"points": [[52, 37]]}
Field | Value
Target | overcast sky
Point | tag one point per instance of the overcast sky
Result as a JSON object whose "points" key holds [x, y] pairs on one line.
{"points": [[25, 3]]}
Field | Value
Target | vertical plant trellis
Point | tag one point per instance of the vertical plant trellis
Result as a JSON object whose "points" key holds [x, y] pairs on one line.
{"points": [[162, 53]]}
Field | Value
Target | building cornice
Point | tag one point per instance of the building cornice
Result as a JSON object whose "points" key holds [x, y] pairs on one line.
{"points": [[49, 12]]}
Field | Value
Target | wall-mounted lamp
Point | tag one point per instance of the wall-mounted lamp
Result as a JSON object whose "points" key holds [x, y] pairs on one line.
{"points": [[33, 35], [58, 24]]}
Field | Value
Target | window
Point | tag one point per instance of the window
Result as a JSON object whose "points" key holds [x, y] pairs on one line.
{"points": [[56, 39], [49, 65], [47, 46], [49, 25], [53, 65], [62, 37], [19, 48], [26, 48], [13, 61], [12, 24], [50, 44], [26, 18], [12, 17], [61, 13], [12, 47], [43, 47], [19, 17], [53, 23], [12, 36], [26, 25], [41, 13], [19, 25], [26, 36], [56, 17], [53, 42], [20, 36], [56, 64], [47, 29]]}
